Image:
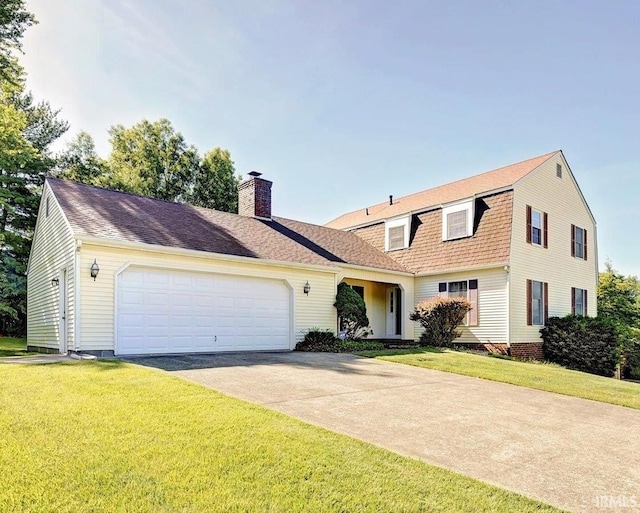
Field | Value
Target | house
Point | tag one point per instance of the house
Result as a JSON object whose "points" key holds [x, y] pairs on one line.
{"points": [[115, 273]]}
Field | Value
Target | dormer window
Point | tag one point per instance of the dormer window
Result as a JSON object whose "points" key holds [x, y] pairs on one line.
{"points": [[396, 234], [457, 220]]}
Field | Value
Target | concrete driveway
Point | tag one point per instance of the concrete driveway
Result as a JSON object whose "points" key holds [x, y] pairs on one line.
{"points": [[575, 454]]}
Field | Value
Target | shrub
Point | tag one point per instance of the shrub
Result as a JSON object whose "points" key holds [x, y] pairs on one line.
{"points": [[318, 340], [586, 344], [353, 346], [440, 316], [352, 311], [629, 342]]}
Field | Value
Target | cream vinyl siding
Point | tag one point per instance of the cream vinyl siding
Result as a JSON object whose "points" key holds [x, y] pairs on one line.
{"points": [[561, 199], [493, 299], [97, 317], [375, 285], [53, 250]]}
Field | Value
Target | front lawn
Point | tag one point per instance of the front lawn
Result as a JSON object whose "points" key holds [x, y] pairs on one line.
{"points": [[107, 436], [10, 346], [542, 376]]}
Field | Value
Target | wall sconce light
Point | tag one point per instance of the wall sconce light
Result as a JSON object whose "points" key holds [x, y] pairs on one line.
{"points": [[55, 282], [307, 288], [94, 269]]}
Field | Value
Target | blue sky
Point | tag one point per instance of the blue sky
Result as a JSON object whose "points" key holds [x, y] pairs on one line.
{"points": [[342, 103]]}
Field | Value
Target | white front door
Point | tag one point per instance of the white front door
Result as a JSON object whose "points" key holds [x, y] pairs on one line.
{"points": [[394, 312], [166, 311]]}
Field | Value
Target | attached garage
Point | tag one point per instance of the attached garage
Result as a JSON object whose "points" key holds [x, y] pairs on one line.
{"points": [[168, 311]]}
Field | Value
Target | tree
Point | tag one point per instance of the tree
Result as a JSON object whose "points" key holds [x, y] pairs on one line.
{"points": [[14, 20], [80, 161], [216, 184], [618, 297], [619, 303], [352, 312], [151, 159]]}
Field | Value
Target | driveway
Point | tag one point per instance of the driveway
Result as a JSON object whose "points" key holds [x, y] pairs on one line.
{"points": [[573, 453]]}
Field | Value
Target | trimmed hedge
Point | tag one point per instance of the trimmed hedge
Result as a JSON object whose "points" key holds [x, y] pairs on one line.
{"points": [[586, 344], [324, 341]]}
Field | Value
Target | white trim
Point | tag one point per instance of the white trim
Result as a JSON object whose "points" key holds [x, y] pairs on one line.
{"points": [[467, 205], [403, 222], [76, 296], [169, 267], [375, 269], [63, 314], [462, 269], [205, 254]]}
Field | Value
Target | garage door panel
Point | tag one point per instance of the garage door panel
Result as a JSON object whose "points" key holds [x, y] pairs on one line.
{"points": [[162, 311]]}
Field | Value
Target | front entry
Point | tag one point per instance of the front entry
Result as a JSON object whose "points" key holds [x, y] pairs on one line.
{"points": [[394, 312]]}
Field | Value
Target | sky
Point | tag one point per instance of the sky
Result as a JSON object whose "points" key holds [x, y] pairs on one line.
{"points": [[341, 104]]}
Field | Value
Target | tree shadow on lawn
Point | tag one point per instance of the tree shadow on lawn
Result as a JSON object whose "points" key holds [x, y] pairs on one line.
{"points": [[336, 362]]}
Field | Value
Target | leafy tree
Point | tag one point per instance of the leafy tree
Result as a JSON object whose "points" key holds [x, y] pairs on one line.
{"points": [[619, 297], [440, 318], [216, 183], [151, 159], [80, 161], [619, 303], [14, 20], [352, 312]]}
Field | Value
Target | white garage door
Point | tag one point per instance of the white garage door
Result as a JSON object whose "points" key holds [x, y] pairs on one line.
{"points": [[162, 311]]}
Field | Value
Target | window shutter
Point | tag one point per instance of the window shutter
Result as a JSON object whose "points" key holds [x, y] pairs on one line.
{"points": [[442, 289], [584, 298], [529, 312], [546, 302], [473, 299], [528, 224], [573, 300], [584, 242], [544, 228], [573, 240]]}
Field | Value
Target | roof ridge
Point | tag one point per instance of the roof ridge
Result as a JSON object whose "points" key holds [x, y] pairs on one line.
{"points": [[383, 204]]}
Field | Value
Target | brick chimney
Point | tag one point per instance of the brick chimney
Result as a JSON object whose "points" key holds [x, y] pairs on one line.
{"points": [[254, 197]]}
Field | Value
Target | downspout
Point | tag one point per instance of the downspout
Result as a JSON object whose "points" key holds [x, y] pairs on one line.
{"points": [[76, 293]]}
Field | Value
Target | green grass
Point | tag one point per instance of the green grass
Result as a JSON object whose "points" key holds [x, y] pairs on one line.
{"points": [[10, 346], [542, 376], [107, 436]]}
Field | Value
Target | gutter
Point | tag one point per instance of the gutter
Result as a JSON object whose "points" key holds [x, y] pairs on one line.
{"points": [[153, 248]]}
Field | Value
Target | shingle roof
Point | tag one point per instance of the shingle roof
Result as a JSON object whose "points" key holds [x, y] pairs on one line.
{"points": [[118, 216], [474, 185], [490, 243]]}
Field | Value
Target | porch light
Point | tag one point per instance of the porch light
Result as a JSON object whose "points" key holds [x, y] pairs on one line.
{"points": [[55, 282], [94, 269], [307, 288]]}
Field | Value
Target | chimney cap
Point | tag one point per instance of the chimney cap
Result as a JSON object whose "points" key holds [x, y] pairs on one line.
{"points": [[255, 174]]}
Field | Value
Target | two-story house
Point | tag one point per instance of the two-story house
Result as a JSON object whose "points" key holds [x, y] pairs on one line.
{"points": [[115, 273]]}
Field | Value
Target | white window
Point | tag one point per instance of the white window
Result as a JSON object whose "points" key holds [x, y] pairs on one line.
{"points": [[536, 227], [537, 303], [457, 225], [578, 242], [578, 301], [467, 289], [397, 234], [457, 220]]}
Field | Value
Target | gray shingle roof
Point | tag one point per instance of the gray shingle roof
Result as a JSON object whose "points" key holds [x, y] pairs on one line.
{"points": [[118, 216]]}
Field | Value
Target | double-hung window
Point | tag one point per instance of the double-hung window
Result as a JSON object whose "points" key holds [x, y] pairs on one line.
{"points": [[467, 289], [578, 242], [578, 301], [537, 227], [537, 303]]}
